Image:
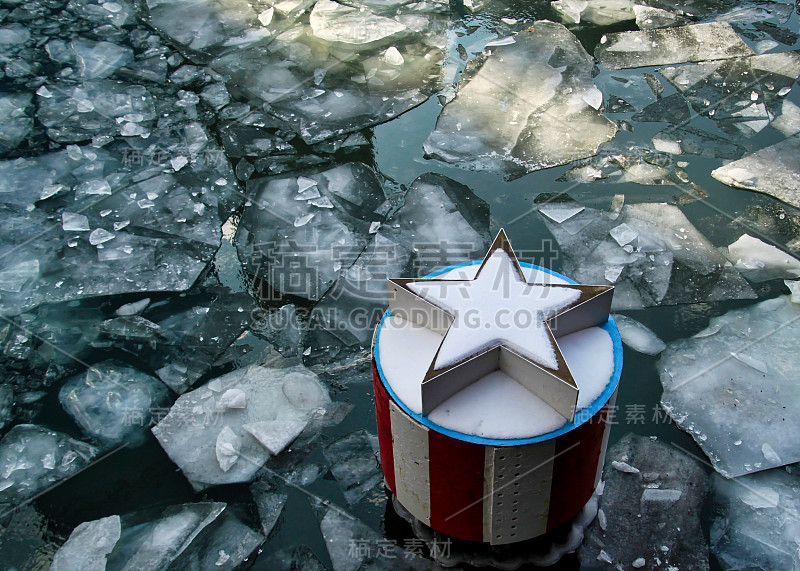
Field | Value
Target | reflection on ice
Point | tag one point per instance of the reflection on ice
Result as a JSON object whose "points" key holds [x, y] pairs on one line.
{"points": [[505, 120]]}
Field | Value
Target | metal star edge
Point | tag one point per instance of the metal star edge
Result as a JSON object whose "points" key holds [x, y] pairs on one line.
{"points": [[556, 387]]}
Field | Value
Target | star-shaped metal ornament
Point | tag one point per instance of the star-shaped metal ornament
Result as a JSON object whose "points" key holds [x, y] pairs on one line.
{"points": [[499, 321]]}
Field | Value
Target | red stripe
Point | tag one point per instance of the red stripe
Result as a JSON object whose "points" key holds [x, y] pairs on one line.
{"points": [[384, 428], [456, 478], [574, 469]]}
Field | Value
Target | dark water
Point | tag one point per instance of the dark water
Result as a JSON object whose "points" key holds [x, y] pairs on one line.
{"points": [[134, 478]]}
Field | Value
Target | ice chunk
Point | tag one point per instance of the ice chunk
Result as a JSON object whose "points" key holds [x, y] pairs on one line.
{"points": [[16, 120], [275, 435], [788, 122], [759, 261], [32, 458], [98, 60], [269, 504], [298, 247], [442, 221], [191, 333], [638, 336], [735, 390], [634, 164], [773, 170], [696, 42], [755, 520], [212, 445], [671, 109], [600, 12], [282, 328], [560, 212], [88, 546], [112, 402], [188, 536], [652, 514], [354, 464], [655, 264], [341, 23], [77, 113], [648, 17], [504, 119], [207, 26]]}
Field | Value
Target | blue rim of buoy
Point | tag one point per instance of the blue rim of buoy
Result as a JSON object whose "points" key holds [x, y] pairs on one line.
{"points": [[581, 416]]}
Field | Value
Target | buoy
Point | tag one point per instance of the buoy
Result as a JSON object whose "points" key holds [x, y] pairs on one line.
{"points": [[495, 382]]}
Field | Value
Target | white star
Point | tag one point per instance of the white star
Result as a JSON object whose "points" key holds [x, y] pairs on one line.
{"points": [[498, 320], [496, 308]]}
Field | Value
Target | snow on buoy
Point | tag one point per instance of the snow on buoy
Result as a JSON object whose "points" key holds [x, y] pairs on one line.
{"points": [[494, 381]]}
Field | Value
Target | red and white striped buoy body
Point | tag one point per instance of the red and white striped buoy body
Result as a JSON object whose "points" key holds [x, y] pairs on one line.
{"points": [[488, 493]]}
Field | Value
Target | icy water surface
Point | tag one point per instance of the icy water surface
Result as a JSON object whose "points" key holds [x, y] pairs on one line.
{"points": [[200, 202]]}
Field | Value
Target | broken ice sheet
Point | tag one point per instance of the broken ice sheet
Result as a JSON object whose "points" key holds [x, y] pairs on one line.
{"points": [[756, 521], [33, 458], [354, 305], [695, 42], [339, 71], [671, 109], [632, 90], [735, 391], [651, 513], [668, 262], [741, 95], [167, 225], [305, 260], [283, 329], [218, 443], [201, 535], [113, 402], [15, 116], [354, 464], [689, 140], [773, 170], [511, 103], [758, 261], [207, 26]]}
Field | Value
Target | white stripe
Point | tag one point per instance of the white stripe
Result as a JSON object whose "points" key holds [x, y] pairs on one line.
{"points": [[411, 470], [520, 500]]}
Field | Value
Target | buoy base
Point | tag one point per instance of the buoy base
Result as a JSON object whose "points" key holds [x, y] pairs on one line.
{"points": [[542, 551]]}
